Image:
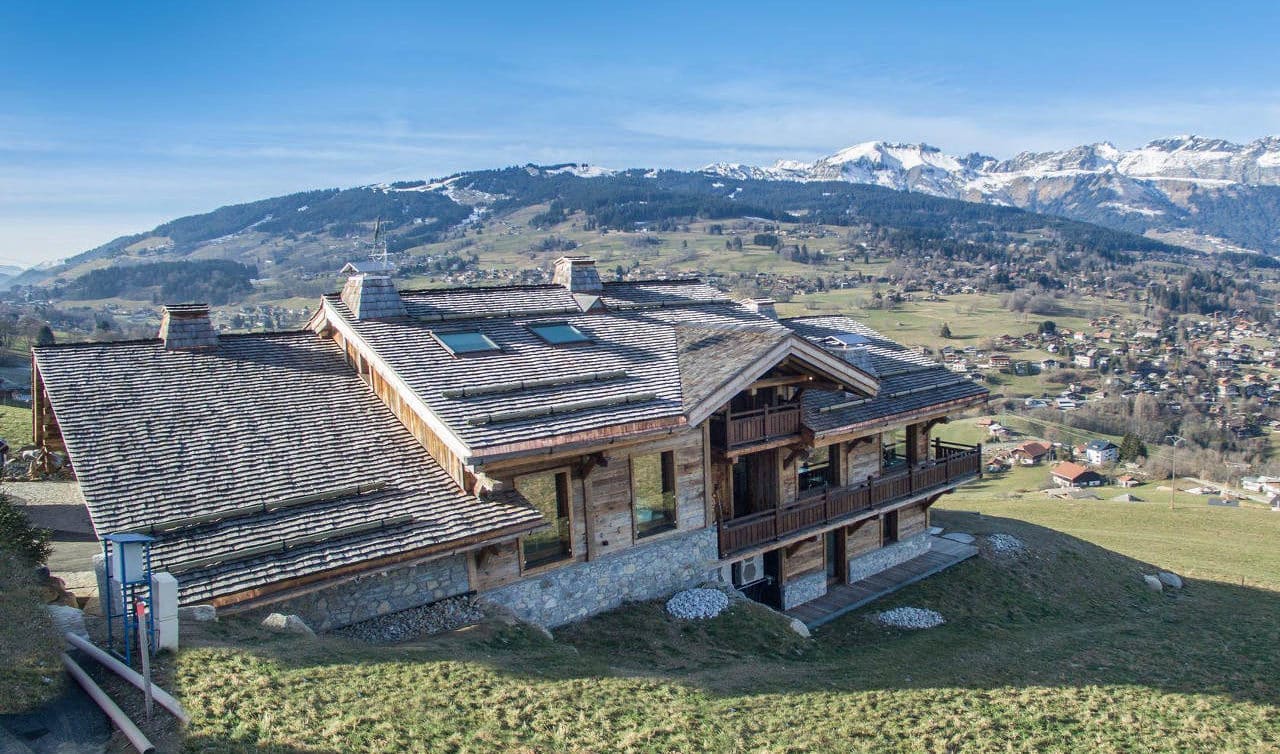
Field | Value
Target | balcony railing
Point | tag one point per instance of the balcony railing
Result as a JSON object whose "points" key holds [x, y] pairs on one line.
{"points": [[952, 464], [756, 426]]}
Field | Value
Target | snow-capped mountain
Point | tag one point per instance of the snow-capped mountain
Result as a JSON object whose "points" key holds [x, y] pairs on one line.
{"points": [[1209, 193]]}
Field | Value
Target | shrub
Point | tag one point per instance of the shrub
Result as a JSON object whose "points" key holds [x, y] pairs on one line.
{"points": [[19, 537]]}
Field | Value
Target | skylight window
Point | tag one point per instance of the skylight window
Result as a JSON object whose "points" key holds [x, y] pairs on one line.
{"points": [[465, 342], [848, 340], [559, 333]]}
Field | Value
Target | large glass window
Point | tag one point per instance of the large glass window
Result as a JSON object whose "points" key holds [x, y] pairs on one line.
{"points": [[549, 493], [653, 492], [819, 469], [895, 448]]}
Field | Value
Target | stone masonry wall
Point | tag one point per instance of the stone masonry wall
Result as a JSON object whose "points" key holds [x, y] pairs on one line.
{"points": [[801, 589], [874, 562], [643, 572], [380, 593]]}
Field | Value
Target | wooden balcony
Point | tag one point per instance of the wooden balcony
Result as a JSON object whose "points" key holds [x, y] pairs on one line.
{"points": [[756, 428], [951, 465]]}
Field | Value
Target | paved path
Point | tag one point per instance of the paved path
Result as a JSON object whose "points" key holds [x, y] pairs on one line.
{"points": [[942, 554], [58, 506]]}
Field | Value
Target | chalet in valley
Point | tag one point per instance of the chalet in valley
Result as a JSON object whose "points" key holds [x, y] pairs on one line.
{"points": [[555, 449], [1068, 474]]}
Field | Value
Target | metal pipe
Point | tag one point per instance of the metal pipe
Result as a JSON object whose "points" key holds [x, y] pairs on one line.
{"points": [[109, 662], [113, 711]]}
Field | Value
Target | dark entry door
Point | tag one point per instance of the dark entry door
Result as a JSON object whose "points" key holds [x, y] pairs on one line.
{"points": [[836, 566]]}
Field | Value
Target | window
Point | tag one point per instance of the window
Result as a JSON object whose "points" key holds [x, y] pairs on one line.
{"points": [[819, 469], [549, 493], [895, 448], [465, 342], [889, 530], [559, 333], [653, 492]]}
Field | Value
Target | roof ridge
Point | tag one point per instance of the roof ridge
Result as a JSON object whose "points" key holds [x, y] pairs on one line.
{"points": [[88, 343], [651, 281], [456, 288]]}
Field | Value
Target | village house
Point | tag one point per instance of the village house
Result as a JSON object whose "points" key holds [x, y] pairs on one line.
{"points": [[1031, 453], [1099, 452], [554, 449], [1068, 474]]}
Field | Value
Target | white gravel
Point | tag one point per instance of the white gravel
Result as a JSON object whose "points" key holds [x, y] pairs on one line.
{"points": [[909, 617], [697, 604], [1006, 544]]}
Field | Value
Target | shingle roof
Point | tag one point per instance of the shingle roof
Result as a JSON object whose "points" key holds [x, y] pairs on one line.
{"points": [[909, 381], [157, 435], [636, 366]]}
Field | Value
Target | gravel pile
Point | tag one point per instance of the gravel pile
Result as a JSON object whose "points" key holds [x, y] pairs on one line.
{"points": [[909, 617], [444, 615], [696, 604], [1006, 544]]}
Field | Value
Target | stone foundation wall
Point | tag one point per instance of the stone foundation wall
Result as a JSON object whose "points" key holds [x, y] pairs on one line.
{"points": [[874, 562], [801, 589], [380, 593], [649, 571]]}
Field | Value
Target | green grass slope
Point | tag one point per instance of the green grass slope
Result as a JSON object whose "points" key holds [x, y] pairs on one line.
{"points": [[1060, 648]]}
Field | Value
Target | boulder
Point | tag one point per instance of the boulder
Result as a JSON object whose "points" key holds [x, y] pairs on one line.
{"points": [[287, 624], [67, 620], [959, 536], [799, 627], [1171, 580], [199, 613], [1153, 583]]}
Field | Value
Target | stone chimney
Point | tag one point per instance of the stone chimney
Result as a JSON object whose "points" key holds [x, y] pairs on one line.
{"points": [[371, 296], [578, 274], [763, 306], [187, 327]]}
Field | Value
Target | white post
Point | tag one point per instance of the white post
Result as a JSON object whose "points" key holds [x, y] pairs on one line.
{"points": [[144, 649]]}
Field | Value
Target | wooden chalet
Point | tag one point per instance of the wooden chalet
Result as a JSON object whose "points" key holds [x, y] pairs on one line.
{"points": [[556, 449]]}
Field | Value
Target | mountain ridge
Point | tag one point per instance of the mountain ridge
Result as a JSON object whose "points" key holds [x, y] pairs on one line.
{"points": [[1187, 189]]}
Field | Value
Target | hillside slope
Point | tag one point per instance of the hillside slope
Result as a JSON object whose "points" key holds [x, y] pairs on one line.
{"points": [[290, 240], [1059, 648]]}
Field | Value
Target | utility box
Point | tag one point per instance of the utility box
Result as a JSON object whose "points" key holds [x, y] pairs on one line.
{"points": [[164, 601]]}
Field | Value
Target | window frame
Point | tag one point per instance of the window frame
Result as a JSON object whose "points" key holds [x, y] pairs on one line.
{"points": [[830, 471], [667, 472], [534, 328], [439, 337], [570, 553]]}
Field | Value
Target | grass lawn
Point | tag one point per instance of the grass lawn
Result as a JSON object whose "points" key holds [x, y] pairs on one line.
{"points": [[15, 425], [1236, 545], [1058, 649]]}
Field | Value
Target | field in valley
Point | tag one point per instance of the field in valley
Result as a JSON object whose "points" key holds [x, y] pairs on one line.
{"points": [[1059, 648]]}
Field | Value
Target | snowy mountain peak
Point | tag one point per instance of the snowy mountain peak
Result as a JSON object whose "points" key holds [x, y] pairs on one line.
{"points": [[1138, 189]]}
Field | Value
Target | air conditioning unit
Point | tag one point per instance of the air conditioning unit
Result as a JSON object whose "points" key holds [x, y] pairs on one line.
{"points": [[749, 571]]}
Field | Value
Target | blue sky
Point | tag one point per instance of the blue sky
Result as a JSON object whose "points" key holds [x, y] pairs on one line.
{"points": [[115, 117]]}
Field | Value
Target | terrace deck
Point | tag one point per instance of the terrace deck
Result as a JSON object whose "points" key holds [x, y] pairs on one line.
{"points": [[845, 598]]}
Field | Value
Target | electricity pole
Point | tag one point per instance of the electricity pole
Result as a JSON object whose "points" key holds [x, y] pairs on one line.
{"points": [[1175, 441]]}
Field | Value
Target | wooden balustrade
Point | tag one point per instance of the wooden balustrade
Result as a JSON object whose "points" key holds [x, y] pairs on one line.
{"points": [[745, 428], [952, 465]]}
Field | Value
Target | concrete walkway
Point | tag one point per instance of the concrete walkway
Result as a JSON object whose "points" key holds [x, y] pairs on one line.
{"points": [[844, 598], [58, 506]]}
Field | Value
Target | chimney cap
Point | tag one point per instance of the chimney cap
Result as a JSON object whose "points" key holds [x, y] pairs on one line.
{"points": [[187, 327], [578, 274]]}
